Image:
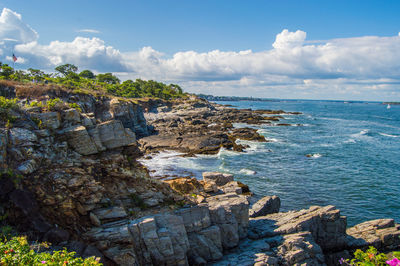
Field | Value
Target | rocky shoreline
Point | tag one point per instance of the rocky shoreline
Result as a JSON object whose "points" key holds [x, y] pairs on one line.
{"points": [[71, 177]]}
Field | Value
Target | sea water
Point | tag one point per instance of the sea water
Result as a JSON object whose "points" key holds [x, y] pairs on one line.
{"points": [[345, 154]]}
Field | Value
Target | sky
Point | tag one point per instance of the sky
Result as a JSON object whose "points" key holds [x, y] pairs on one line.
{"points": [[338, 50]]}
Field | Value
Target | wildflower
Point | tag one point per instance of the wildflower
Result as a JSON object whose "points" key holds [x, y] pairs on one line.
{"points": [[43, 262], [370, 255], [393, 262], [341, 261]]}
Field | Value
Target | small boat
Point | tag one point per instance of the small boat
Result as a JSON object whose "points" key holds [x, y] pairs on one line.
{"points": [[388, 106]]}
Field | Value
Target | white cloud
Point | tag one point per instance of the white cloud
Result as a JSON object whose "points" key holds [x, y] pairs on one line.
{"points": [[293, 68], [89, 31]]}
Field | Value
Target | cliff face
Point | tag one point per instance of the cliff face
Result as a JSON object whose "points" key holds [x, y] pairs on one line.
{"points": [[75, 168]]}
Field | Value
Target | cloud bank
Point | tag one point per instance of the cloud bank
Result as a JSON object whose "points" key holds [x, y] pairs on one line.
{"points": [[364, 68]]}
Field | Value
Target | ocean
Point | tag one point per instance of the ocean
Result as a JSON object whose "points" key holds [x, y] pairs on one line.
{"points": [[338, 153]]}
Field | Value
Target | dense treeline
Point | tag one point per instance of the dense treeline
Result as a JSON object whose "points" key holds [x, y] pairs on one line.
{"points": [[67, 75]]}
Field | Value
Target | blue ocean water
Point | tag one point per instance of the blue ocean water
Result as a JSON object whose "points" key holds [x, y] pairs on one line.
{"points": [[353, 158]]}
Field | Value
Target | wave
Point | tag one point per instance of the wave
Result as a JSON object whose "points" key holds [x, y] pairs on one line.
{"points": [[388, 135], [247, 171]]}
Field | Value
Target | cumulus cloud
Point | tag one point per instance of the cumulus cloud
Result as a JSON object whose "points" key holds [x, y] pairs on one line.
{"points": [[84, 52], [293, 67]]}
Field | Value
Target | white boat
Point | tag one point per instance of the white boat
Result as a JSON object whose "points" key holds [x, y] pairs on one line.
{"points": [[388, 106]]}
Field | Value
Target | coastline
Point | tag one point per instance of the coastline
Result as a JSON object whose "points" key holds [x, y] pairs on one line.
{"points": [[83, 188]]}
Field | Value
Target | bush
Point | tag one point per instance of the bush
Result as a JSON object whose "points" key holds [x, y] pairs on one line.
{"points": [[17, 251], [372, 257]]}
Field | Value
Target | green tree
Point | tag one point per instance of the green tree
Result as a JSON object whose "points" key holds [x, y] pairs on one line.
{"points": [[36, 74], [66, 69], [108, 78], [6, 71], [87, 74]]}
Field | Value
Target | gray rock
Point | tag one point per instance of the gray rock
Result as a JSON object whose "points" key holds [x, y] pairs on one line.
{"points": [[114, 135], [28, 167], [94, 219], [122, 256], [71, 115], [80, 140], [196, 218], [301, 249], [50, 120], [325, 224], [22, 136], [219, 178], [91, 251], [110, 213], [264, 206], [230, 213], [381, 233]]}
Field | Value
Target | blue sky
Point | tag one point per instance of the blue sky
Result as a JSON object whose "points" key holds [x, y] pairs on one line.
{"points": [[330, 49]]}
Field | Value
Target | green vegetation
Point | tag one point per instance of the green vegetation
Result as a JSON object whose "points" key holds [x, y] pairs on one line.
{"points": [[371, 257], [6, 107], [17, 251], [87, 82]]}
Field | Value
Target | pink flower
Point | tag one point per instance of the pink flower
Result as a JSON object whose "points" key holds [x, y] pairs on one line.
{"points": [[43, 262], [393, 262]]}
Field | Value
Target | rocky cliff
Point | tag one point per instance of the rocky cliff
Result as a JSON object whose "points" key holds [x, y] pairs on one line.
{"points": [[70, 176]]}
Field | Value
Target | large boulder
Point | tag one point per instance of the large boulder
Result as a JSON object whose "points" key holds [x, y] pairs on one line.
{"points": [[113, 134], [219, 178], [264, 206], [79, 139], [381, 233], [326, 225]]}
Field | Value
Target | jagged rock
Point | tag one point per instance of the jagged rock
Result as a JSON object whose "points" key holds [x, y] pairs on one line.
{"points": [[206, 244], [114, 135], [219, 178], [95, 135], [22, 136], [232, 187], [122, 256], [80, 140], [210, 187], [195, 218], [94, 219], [51, 120], [110, 213], [381, 233], [71, 115], [325, 224], [231, 213], [248, 253], [264, 206], [300, 249], [28, 167]]}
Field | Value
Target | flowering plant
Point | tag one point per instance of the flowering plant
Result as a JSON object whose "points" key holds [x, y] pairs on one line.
{"points": [[17, 251], [371, 257]]}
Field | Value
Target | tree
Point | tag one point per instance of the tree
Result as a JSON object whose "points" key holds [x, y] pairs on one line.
{"points": [[87, 74], [6, 71], [108, 78], [66, 69], [36, 74]]}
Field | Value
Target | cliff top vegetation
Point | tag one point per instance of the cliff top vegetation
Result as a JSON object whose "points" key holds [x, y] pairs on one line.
{"points": [[68, 77]]}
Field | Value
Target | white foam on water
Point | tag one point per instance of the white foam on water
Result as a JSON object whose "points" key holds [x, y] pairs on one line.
{"points": [[315, 155], [362, 135], [388, 135], [253, 145], [247, 171]]}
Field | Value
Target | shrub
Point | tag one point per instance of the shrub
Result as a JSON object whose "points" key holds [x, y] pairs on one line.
{"points": [[372, 257], [54, 103], [17, 251]]}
